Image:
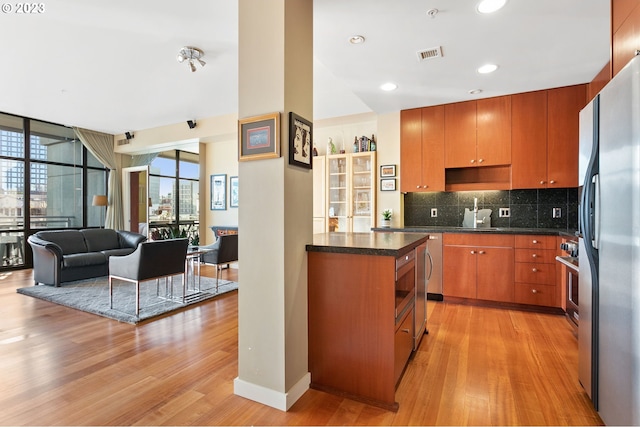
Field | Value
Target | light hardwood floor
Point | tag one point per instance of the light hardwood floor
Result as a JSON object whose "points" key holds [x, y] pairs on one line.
{"points": [[477, 366]]}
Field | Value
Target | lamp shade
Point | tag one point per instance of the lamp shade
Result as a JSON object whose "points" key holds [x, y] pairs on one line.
{"points": [[99, 200]]}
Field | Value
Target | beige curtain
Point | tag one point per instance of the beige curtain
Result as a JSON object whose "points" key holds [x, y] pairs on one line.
{"points": [[101, 146]]}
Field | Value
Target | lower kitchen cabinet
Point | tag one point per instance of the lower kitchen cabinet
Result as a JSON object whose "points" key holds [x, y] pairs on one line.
{"points": [[535, 271], [478, 266]]}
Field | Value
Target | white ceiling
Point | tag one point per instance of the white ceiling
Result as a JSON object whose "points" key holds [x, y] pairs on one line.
{"points": [[110, 65]]}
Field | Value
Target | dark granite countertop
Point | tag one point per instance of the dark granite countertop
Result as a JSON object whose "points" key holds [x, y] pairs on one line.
{"points": [[494, 230], [382, 244]]}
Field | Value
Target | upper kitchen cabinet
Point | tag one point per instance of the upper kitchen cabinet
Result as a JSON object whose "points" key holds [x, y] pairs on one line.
{"points": [[478, 133], [564, 105], [460, 135], [529, 139], [545, 137], [625, 27], [493, 134], [422, 149]]}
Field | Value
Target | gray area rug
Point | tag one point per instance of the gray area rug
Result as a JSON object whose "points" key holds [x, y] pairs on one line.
{"points": [[92, 296]]}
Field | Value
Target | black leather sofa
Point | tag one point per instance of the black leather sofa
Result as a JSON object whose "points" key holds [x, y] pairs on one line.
{"points": [[66, 255]]}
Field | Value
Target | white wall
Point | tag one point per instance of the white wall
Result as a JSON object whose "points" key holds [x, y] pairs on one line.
{"points": [[221, 158]]}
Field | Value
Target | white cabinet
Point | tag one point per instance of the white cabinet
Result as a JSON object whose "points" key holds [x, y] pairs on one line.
{"points": [[319, 194], [351, 192]]}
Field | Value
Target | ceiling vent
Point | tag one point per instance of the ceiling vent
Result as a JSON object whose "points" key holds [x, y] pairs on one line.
{"points": [[431, 53], [123, 142]]}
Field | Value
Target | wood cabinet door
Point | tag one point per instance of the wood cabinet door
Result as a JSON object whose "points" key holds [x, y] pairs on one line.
{"points": [[493, 134], [460, 135], [564, 105], [495, 274], [411, 150], [529, 140], [433, 148], [459, 271]]}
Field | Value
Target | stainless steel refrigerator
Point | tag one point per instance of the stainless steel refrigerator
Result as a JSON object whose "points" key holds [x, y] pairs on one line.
{"points": [[609, 278]]}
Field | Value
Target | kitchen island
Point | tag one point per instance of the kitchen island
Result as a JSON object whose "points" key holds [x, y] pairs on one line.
{"points": [[361, 312]]}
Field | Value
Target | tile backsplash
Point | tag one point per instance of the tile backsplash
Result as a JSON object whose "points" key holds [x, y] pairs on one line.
{"points": [[528, 208]]}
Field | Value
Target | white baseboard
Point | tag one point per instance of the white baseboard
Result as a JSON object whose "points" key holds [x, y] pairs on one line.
{"points": [[266, 396]]}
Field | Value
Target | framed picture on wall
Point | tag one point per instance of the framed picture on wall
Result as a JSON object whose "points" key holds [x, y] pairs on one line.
{"points": [[300, 130], [387, 171], [388, 184], [219, 192], [233, 192], [259, 137]]}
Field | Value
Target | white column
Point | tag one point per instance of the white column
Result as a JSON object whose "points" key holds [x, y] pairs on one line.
{"points": [[275, 205]]}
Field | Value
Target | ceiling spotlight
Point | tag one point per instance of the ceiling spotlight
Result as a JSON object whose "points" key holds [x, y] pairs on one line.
{"points": [[487, 68], [490, 6], [431, 13], [191, 54], [128, 135], [387, 87], [191, 123], [356, 39]]}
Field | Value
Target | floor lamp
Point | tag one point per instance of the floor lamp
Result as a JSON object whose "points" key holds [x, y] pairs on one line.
{"points": [[100, 200]]}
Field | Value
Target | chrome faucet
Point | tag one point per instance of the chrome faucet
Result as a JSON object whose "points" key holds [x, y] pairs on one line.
{"points": [[476, 221], [475, 212]]}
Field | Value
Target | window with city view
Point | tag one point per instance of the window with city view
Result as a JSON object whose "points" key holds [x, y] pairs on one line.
{"points": [[47, 181], [174, 192]]}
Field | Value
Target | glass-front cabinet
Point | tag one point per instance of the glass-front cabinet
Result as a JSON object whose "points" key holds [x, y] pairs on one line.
{"points": [[352, 192]]}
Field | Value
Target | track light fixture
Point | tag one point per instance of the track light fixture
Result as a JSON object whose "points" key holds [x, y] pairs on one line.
{"points": [[191, 123], [129, 135], [191, 54]]}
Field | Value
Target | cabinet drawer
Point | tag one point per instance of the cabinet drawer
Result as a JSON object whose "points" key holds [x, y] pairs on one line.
{"points": [[538, 256], [527, 293], [543, 274], [468, 239], [403, 345], [534, 241]]}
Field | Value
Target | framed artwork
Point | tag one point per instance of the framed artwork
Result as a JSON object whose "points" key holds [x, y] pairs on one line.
{"points": [[233, 192], [387, 171], [300, 132], [388, 184], [259, 137], [219, 192]]}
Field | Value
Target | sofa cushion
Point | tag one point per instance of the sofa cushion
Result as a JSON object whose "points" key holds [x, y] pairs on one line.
{"points": [[83, 260], [70, 241], [117, 252], [100, 239]]}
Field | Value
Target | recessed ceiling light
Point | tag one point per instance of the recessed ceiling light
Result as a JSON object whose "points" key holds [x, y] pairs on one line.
{"points": [[475, 91], [487, 68], [490, 6], [389, 87], [356, 39]]}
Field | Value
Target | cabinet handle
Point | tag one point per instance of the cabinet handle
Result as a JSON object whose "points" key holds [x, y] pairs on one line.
{"points": [[541, 182], [534, 270], [535, 242], [481, 252], [425, 186], [535, 291], [473, 252], [473, 160], [534, 255], [417, 186], [406, 331], [480, 160], [552, 182]]}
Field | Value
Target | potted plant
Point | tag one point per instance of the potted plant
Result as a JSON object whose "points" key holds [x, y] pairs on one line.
{"points": [[386, 218]]}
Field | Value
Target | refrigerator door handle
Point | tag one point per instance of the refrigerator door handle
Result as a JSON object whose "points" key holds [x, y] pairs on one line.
{"points": [[596, 212]]}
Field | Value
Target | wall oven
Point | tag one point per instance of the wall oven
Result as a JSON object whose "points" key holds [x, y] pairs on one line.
{"points": [[570, 279]]}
